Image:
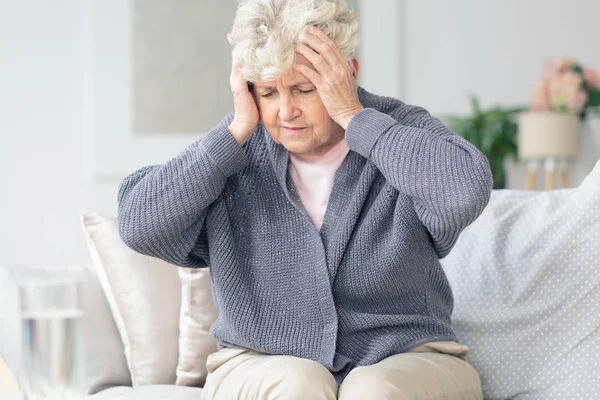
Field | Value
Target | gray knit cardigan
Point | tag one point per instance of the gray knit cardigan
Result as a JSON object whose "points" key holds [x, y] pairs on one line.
{"points": [[367, 285]]}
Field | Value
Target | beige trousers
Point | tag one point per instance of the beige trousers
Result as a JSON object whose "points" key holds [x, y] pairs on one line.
{"points": [[435, 370]]}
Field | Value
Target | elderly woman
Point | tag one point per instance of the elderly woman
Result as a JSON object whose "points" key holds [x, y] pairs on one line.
{"points": [[322, 211]]}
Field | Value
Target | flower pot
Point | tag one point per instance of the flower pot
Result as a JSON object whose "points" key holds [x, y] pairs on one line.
{"points": [[544, 135]]}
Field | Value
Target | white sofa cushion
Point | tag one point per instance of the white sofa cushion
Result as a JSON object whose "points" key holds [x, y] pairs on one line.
{"points": [[526, 283], [164, 313], [198, 314], [144, 294]]}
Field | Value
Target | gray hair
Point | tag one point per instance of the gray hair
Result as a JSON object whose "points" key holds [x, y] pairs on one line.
{"points": [[264, 33]]}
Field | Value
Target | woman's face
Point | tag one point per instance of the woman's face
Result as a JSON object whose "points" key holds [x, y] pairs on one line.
{"points": [[294, 115]]}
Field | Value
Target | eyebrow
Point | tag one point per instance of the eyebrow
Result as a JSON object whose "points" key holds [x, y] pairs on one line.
{"points": [[294, 86]]}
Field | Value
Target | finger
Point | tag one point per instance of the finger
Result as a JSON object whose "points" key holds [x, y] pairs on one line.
{"points": [[238, 82], [235, 72], [314, 58], [323, 44], [312, 75], [316, 32]]}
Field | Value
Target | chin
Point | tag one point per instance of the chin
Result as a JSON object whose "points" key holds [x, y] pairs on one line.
{"points": [[297, 147]]}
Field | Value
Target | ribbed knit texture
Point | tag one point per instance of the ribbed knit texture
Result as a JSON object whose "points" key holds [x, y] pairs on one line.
{"points": [[368, 285]]}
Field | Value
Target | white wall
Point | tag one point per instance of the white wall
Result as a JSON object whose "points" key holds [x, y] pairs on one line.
{"points": [[445, 50], [493, 48], [41, 158]]}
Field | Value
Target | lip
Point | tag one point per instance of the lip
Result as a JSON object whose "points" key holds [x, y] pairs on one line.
{"points": [[292, 130]]}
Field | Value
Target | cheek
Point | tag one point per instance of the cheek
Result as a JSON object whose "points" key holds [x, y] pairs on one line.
{"points": [[318, 115], [269, 117], [267, 113]]}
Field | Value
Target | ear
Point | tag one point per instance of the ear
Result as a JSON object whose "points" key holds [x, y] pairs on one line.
{"points": [[354, 64]]}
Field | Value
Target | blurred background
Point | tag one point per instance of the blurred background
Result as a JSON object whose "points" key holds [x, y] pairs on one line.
{"points": [[78, 79]]}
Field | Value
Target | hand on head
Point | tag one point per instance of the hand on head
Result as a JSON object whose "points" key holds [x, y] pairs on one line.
{"points": [[319, 61], [246, 114], [333, 76]]}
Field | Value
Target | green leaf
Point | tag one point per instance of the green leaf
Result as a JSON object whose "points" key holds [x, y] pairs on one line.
{"points": [[517, 110], [492, 130], [594, 98], [475, 105]]}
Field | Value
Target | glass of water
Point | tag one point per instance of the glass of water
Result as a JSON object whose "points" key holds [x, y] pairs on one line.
{"points": [[51, 342]]}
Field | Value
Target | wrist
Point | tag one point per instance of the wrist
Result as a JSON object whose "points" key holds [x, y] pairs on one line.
{"points": [[241, 132], [345, 120]]}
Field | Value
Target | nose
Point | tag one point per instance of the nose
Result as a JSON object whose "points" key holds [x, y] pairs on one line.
{"points": [[288, 110]]}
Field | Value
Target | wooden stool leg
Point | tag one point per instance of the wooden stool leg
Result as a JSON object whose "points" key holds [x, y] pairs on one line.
{"points": [[564, 174], [531, 175]]}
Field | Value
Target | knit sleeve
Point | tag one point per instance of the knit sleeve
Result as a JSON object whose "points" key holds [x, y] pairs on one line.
{"points": [[449, 179], [162, 208]]}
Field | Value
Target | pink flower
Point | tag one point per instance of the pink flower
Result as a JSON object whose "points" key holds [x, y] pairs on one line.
{"points": [[565, 63], [539, 100], [549, 70], [562, 87], [570, 79], [592, 78], [578, 100]]}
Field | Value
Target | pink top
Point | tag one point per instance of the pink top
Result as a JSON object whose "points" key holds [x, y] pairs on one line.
{"points": [[313, 179]]}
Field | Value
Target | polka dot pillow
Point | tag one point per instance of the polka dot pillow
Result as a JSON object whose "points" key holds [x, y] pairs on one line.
{"points": [[526, 282]]}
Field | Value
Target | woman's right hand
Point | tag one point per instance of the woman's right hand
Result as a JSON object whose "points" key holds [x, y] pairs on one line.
{"points": [[246, 116]]}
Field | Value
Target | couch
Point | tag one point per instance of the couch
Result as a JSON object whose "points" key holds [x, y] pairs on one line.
{"points": [[525, 277]]}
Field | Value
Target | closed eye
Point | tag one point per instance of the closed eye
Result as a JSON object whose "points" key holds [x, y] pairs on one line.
{"points": [[270, 94]]}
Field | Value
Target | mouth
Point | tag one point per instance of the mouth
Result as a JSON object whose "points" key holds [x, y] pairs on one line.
{"points": [[293, 130]]}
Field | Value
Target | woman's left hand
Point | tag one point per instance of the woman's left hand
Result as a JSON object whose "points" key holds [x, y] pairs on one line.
{"points": [[333, 76]]}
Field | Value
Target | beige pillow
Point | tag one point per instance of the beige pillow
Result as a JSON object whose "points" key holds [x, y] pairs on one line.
{"points": [[198, 313], [171, 344], [144, 294]]}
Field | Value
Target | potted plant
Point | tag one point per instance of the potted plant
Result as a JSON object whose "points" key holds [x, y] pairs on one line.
{"points": [[550, 130], [493, 131]]}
